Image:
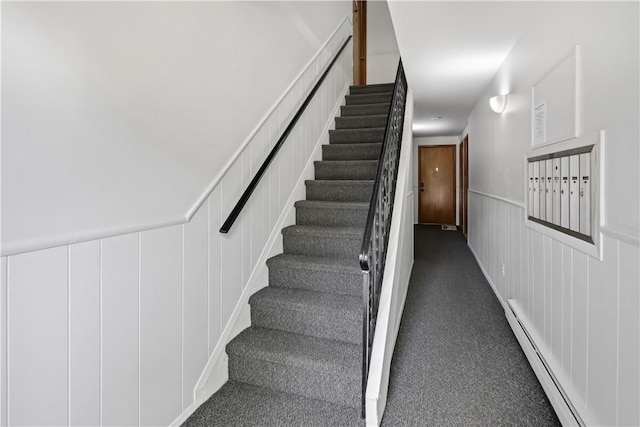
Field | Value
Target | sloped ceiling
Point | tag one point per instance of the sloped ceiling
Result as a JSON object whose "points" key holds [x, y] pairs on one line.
{"points": [[451, 51]]}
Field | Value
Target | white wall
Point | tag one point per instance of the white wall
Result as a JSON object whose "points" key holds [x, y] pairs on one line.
{"points": [[581, 312], [118, 116], [434, 140], [119, 330], [382, 48]]}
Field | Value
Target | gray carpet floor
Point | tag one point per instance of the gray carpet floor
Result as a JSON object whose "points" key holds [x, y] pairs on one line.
{"points": [[456, 360]]}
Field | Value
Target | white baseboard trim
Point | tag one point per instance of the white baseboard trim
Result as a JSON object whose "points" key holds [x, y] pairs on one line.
{"points": [[215, 373], [565, 410]]}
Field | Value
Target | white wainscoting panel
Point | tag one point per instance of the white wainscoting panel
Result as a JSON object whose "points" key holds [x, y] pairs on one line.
{"points": [[38, 352], [84, 334], [628, 338], [160, 325], [119, 331], [580, 312], [3, 341], [195, 302], [120, 325]]}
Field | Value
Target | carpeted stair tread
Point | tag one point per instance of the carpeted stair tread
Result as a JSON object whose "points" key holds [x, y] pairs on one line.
{"points": [[331, 213], [361, 122], [334, 205], [318, 231], [297, 350], [315, 263], [310, 302], [337, 189], [347, 151], [318, 314], [346, 169], [313, 367], [333, 242], [317, 273], [374, 88], [341, 136], [239, 404], [369, 98], [366, 109]]}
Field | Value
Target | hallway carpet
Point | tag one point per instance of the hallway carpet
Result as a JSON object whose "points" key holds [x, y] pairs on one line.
{"points": [[456, 360]]}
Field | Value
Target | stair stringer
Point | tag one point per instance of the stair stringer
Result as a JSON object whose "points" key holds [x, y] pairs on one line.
{"points": [[215, 373]]}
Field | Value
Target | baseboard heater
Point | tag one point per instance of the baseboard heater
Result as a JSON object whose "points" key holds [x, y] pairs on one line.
{"points": [[565, 410]]}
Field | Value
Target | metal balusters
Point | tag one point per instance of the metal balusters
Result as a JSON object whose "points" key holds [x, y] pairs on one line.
{"points": [[376, 235]]}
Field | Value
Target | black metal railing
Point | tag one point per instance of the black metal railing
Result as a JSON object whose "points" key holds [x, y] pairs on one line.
{"points": [[235, 212], [376, 234]]}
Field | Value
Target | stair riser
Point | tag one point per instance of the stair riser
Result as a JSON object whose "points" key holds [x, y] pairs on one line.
{"points": [[370, 151], [320, 281], [331, 217], [328, 170], [361, 122], [363, 110], [322, 246], [301, 322], [375, 98], [350, 136], [327, 386], [342, 193], [378, 88]]}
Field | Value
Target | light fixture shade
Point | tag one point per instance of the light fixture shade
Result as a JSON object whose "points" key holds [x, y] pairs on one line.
{"points": [[498, 103]]}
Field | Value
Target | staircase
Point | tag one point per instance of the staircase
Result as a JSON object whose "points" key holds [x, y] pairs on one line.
{"points": [[301, 359]]}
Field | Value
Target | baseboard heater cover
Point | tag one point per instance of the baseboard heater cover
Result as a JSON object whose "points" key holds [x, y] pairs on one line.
{"points": [[562, 404]]}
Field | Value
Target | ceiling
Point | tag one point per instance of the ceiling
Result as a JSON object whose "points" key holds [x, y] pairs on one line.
{"points": [[451, 51]]}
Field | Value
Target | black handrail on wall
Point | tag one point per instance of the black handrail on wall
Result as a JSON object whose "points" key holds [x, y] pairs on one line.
{"points": [[226, 226], [373, 253]]}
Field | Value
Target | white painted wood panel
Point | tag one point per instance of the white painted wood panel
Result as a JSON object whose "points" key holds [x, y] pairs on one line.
{"points": [[214, 292], [580, 321], [160, 326], [231, 274], [38, 338], [3, 341], [84, 334], [120, 330], [548, 291], [195, 328], [567, 308], [628, 335], [537, 276], [602, 339], [556, 301]]}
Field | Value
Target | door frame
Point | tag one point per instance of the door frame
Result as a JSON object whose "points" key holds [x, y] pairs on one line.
{"points": [[359, 9], [453, 177], [464, 186]]}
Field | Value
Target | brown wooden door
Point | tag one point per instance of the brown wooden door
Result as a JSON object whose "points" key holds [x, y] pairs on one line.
{"points": [[359, 42], [464, 185], [437, 184]]}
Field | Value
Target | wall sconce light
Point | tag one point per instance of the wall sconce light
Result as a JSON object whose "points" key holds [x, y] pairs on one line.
{"points": [[498, 103]]}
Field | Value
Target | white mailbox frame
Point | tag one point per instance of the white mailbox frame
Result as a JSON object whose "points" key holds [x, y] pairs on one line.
{"points": [[592, 244]]}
